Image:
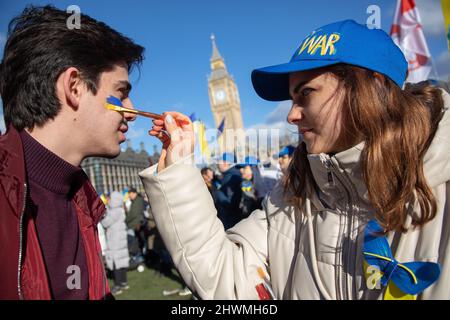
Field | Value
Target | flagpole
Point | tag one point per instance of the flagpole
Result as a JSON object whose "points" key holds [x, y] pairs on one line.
{"points": [[433, 67]]}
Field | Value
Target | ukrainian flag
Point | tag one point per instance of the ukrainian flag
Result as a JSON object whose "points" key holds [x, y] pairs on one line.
{"points": [[103, 198], [204, 148], [446, 11]]}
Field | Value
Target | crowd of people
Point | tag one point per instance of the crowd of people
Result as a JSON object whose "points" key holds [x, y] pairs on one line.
{"points": [[124, 234], [129, 238], [238, 188]]}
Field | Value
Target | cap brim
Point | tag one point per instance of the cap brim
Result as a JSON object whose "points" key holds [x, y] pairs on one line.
{"points": [[272, 83]]}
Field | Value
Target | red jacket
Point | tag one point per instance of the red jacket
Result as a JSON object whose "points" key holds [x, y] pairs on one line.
{"points": [[22, 269]]}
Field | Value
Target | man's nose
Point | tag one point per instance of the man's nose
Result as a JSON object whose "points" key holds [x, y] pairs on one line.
{"points": [[128, 115], [295, 114]]}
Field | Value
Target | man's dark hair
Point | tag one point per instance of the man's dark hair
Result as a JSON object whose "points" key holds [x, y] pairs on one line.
{"points": [[132, 189], [40, 47], [205, 169]]}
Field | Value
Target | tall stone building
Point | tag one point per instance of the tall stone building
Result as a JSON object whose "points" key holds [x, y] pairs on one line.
{"points": [[121, 172], [225, 102]]}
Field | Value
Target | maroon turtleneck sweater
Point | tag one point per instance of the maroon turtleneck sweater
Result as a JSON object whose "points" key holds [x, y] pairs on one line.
{"points": [[52, 183]]}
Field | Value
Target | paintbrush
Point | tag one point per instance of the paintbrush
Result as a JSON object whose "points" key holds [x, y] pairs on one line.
{"points": [[113, 103], [266, 285]]}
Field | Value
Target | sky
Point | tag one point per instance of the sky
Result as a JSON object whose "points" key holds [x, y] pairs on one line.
{"points": [[249, 34]]}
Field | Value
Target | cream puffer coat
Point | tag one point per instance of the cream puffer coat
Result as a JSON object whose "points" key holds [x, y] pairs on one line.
{"points": [[315, 254]]}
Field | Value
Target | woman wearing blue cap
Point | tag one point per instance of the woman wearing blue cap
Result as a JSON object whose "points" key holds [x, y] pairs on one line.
{"points": [[285, 158], [364, 211]]}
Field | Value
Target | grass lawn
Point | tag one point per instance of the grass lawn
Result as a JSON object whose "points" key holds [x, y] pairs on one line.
{"points": [[149, 285]]}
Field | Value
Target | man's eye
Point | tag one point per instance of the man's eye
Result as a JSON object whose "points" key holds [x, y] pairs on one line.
{"points": [[122, 95]]}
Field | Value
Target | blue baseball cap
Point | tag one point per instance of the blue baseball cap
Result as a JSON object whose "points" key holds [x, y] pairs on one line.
{"points": [[288, 150], [340, 42], [228, 157], [249, 161]]}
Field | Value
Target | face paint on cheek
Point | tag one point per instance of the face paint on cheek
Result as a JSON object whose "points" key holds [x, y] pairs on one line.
{"points": [[113, 103]]}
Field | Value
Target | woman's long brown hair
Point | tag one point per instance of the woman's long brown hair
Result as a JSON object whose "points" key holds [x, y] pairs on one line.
{"points": [[397, 127]]}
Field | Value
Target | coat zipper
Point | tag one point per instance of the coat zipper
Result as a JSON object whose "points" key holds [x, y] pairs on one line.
{"points": [[331, 184], [348, 230], [348, 186], [330, 178], [356, 205], [19, 290]]}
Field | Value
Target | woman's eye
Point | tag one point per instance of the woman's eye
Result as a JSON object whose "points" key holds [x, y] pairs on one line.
{"points": [[306, 91]]}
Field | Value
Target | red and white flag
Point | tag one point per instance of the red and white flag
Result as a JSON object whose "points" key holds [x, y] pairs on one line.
{"points": [[407, 33]]}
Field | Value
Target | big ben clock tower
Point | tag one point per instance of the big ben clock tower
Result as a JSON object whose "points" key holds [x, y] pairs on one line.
{"points": [[224, 99]]}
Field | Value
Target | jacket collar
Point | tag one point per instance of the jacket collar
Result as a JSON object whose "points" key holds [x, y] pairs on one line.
{"points": [[12, 169], [341, 171], [48, 169]]}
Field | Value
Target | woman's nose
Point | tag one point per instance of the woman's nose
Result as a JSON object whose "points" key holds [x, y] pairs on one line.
{"points": [[295, 114]]}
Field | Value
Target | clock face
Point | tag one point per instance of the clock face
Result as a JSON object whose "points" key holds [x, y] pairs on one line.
{"points": [[220, 95]]}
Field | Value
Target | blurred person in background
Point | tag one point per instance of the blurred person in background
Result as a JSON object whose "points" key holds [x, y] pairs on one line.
{"points": [[228, 195], [285, 157], [249, 198], [135, 221], [117, 257]]}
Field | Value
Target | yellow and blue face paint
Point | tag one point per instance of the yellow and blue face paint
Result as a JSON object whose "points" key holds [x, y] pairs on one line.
{"points": [[403, 280], [113, 103]]}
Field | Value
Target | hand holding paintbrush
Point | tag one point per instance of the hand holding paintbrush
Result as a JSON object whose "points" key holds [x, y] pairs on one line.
{"points": [[173, 129]]}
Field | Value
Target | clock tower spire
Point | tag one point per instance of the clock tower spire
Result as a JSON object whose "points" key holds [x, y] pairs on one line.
{"points": [[224, 99], [217, 61]]}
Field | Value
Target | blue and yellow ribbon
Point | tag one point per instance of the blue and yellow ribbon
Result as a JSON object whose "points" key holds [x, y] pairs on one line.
{"points": [[402, 280]]}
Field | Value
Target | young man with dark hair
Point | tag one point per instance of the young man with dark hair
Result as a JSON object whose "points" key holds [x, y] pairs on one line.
{"points": [[54, 83]]}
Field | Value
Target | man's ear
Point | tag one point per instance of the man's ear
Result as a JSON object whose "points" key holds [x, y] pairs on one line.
{"points": [[73, 86]]}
